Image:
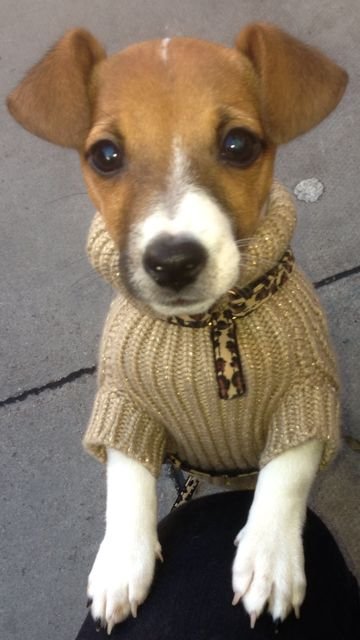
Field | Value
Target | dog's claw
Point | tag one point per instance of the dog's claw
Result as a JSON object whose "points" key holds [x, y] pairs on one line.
{"points": [[236, 599], [110, 625], [159, 554], [98, 624], [297, 611], [134, 607], [253, 618]]}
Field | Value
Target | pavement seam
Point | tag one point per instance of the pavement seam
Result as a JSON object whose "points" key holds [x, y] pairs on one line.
{"points": [[52, 385], [87, 371], [337, 276]]}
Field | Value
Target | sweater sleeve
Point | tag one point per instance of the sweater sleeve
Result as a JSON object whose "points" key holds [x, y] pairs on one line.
{"points": [[308, 411], [117, 420], [117, 423]]}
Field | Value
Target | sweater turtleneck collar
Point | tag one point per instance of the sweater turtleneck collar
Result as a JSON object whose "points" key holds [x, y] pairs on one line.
{"points": [[266, 265], [273, 236], [260, 253]]}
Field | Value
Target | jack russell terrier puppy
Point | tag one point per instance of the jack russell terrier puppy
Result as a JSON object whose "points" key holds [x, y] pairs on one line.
{"points": [[215, 352]]}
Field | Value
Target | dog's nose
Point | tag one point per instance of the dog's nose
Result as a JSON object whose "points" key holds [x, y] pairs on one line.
{"points": [[174, 261]]}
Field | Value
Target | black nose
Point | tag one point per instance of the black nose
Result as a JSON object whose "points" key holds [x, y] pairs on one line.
{"points": [[174, 261]]}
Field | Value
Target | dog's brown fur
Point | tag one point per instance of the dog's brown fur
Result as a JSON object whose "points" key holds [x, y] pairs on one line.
{"points": [[167, 106], [271, 83]]}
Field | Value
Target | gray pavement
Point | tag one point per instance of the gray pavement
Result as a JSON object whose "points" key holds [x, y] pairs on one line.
{"points": [[53, 306]]}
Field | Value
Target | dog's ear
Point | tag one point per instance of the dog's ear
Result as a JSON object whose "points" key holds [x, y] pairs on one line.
{"points": [[299, 85], [53, 99]]}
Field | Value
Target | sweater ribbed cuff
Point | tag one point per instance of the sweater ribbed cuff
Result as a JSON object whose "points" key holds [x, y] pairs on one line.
{"points": [[116, 422], [310, 411]]}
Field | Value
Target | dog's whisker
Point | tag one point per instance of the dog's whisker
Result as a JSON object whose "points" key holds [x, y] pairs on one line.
{"points": [[265, 262], [256, 261], [76, 261], [67, 195], [244, 241], [87, 278], [254, 264]]}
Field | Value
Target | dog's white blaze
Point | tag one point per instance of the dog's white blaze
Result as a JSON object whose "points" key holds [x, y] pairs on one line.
{"points": [[187, 209], [197, 215], [179, 173], [164, 49]]}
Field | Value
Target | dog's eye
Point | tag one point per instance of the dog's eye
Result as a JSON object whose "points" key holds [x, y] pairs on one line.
{"points": [[240, 147], [105, 157]]}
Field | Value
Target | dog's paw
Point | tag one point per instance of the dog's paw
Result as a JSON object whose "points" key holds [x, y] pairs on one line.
{"points": [[269, 569], [120, 579]]}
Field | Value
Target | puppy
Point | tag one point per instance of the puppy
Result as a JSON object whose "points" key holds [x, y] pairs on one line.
{"points": [[216, 352]]}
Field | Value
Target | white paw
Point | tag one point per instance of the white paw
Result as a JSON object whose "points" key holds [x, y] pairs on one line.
{"points": [[269, 569], [121, 578]]}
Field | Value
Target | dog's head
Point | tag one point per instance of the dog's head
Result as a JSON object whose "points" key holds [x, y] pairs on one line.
{"points": [[177, 140]]}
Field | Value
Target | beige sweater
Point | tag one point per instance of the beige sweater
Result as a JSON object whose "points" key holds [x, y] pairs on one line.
{"points": [[158, 392]]}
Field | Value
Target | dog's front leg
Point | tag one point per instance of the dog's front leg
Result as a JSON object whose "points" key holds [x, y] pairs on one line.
{"points": [[269, 562], [124, 566]]}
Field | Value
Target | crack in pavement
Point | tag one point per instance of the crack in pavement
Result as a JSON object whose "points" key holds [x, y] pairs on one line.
{"points": [[336, 277], [89, 371], [53, 384]]}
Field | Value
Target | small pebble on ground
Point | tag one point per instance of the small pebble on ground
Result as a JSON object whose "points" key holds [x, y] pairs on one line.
{"points": [[309, 190]]}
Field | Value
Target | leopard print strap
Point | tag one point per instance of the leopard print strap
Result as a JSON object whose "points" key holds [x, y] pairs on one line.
{"points": [[226, 476], [221, 321], [186, 493]]}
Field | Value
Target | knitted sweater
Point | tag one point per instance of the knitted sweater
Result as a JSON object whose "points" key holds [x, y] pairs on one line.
{"points": [[158, 393]]}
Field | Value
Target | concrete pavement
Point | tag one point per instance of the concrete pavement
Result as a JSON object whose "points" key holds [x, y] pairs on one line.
{"points": [[52, 305]]}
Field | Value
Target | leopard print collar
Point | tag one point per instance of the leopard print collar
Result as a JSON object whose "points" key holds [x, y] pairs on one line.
{"points": [[267, 247], [238, 303]]}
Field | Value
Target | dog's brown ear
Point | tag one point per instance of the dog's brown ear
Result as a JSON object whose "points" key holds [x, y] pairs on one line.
{"points": [[53, 100], [299, 85]]}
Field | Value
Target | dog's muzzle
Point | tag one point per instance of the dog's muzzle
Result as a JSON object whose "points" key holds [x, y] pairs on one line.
{"points": [[174, 261]]}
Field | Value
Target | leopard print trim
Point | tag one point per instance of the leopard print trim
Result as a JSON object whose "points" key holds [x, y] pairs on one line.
{"points": [[226, 476], [221, 320], [186, 493]]}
